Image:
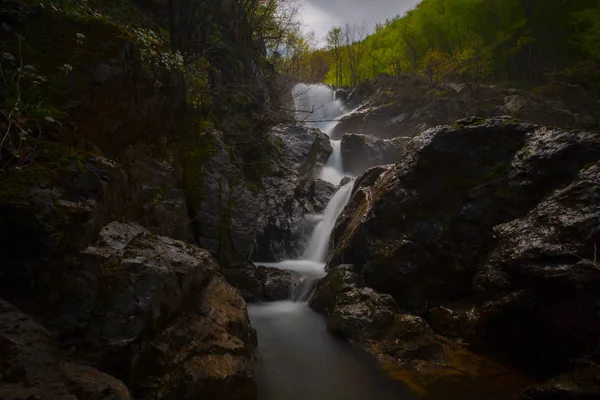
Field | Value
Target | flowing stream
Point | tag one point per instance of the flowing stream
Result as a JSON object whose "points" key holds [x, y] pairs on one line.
{"points": [[298, 358]]}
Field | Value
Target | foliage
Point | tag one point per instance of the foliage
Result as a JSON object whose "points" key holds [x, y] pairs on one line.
{"points": [[518, 42]]}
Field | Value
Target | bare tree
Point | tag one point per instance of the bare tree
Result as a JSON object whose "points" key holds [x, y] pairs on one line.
{"points": [[354, 37]]}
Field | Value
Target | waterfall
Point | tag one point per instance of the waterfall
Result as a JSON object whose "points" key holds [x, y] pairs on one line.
{"points": [[316, 105], [319, 241], [332, 171], [312, 265]]}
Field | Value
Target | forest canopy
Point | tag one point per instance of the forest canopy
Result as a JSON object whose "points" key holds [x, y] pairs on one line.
{"points": [[514, 42]]}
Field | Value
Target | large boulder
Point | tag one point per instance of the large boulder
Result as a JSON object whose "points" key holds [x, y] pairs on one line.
{"points": [[32, 367], [207, 351], [360, 152], [405, 345], [129, 284], [56, 208], [488, 228]]}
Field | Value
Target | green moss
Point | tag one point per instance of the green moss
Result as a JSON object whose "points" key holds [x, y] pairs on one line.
{"points": [[494, 172], [55, 157]]}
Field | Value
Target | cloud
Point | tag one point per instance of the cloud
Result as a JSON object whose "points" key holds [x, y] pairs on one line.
{"points": [[321, 15]]}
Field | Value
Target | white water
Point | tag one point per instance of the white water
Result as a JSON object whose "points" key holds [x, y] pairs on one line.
{"points": [[317, 107], [319, 241], [299, 360], [312, 265], [332, 171]]}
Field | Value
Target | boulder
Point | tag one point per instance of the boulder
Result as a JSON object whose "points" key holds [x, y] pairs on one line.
{"points": [[130, 284], [488, 228], [204, 352], [49, 220], [579, 386], [32, 367], [258, 284], [338, 280], [360, 152], [408, 349]]}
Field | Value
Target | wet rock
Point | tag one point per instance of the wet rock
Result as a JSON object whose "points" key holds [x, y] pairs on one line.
{"points": [[360, 152], [345, 180], [322, 192], [362, 313], [407, 105], [52, 221], [581, 385], [338, 280], [33, 368], [277, 283], [280, 198], [488, 228], [258, 284], [131, 283], [164, 205], [206, 351]]}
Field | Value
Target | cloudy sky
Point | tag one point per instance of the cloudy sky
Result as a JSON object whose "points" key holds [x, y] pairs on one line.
{"points": [[321, 15]]}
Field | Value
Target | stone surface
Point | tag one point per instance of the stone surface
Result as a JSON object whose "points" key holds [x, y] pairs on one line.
{"points": [[258, 284], [360, 152], [338, 280], [407, 105], [488, 229], [207, 352], [32, 367], [131, 283], [45, 230], [280, 198]]}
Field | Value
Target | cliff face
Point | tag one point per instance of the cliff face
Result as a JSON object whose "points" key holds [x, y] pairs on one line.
{"points": [[129, 176]]}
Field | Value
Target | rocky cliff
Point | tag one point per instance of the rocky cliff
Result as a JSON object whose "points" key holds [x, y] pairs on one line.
{"points": [[405, 105], [484, 232], [132, 178]]}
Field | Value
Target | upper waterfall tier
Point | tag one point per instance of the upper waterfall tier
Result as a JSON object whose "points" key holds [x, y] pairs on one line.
{"points": [[316, 105]]}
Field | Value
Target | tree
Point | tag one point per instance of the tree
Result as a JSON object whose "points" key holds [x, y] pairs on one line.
{"points": [[354, 36], [335, 42]]}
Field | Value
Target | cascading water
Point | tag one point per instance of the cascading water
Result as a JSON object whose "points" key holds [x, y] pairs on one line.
{"points": [[317, 106], [311, 265], [299, 360], [319, 241]]}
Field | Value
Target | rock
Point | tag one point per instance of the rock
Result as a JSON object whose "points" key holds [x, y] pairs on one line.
{"points": [[48, 223], [566, 387], [345, 180], [277, 282], [33, 368], [550, 252], [280, 198], [165, 210], [362, 314], [360, 152], [130, 284], [206, 351], [488, 229], [338, 280], [407, 105], [258, 284], [322, 193], [52, 221]]}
